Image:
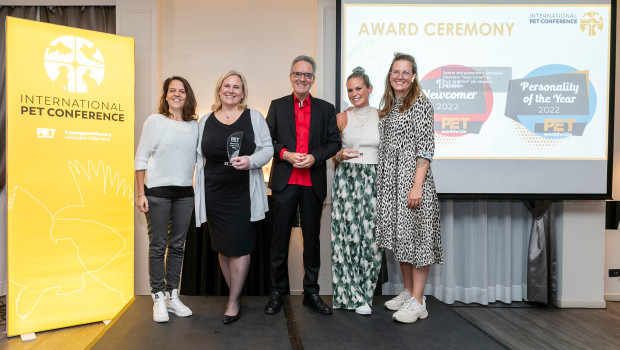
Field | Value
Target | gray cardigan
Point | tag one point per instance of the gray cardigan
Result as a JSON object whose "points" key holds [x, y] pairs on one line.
{"points": [[261, 156]]}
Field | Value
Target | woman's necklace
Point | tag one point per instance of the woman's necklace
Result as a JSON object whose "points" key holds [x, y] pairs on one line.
{"points": [[362, 118], [228, 117]]}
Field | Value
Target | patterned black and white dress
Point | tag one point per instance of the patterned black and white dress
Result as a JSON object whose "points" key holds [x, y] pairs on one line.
{"points": [[412, 234]]}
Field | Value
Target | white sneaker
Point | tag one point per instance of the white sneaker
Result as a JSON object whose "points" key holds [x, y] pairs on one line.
{"points": [[175, 305], [364, 310], [396, 303], [411, 311], [160, 314]]}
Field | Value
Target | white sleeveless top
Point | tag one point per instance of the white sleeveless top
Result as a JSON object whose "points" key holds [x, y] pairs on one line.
{"points": [[362, 130]]}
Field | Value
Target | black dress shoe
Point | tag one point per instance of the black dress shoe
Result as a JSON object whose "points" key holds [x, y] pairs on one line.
{"points": [[230, 319], [315, 302], [275, 303]]}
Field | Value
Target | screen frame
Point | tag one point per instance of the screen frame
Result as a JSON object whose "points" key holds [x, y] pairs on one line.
{"points": [[509, 195]]}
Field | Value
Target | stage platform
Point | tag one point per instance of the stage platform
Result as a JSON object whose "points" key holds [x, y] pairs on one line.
{"points": [[297, 327]]}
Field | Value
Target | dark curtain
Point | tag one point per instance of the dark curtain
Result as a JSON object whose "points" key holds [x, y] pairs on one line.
{"points": [[383, 275], [99, 18], [542, 254], [201, 272]]}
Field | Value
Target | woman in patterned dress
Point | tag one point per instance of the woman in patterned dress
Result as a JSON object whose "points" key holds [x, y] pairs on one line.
{"points": [[356, 259], [407, 205]]}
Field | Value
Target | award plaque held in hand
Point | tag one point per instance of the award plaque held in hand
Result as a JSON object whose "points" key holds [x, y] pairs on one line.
{"points": [[233, 144]]}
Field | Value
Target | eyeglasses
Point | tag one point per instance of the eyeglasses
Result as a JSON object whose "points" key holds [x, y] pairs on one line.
{"points": [[406, 73], [298, 75]]}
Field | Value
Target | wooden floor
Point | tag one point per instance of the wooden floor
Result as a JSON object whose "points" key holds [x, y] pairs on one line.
{"points": [[548, 327], [515, 327]]}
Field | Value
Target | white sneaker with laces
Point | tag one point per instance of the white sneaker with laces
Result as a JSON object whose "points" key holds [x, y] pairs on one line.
{"points": [[397, 302], [160, 314], [175, 305], [364, 310], [411, 311]]}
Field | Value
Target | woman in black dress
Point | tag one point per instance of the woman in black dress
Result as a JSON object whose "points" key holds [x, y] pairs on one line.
{"points": [[230, 190]]}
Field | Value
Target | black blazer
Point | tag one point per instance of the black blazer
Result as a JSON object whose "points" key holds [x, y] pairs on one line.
{"points": [[324, 141]]}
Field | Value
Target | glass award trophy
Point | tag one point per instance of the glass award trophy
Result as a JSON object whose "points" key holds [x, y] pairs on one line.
{"points": [[355, 150], [233, 144]]}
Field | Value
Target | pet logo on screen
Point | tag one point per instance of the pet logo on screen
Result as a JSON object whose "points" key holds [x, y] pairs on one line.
{"points": [[74, 64], [591, 23]]}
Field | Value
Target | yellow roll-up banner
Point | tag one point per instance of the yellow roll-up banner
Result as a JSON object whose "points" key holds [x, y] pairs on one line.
{"points": [[70, 143]]}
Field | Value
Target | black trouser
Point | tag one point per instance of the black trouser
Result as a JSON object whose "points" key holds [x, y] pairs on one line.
{"points": [[285, 205]]}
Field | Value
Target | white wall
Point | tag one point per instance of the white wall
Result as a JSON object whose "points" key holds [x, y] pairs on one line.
{"points": [[612, 261], [581, 254], [612, 237], [140, 19], [202, 40]]}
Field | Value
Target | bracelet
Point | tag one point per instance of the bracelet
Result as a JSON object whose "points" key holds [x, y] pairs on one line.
{"points": [[141, 195], [339, 161]]}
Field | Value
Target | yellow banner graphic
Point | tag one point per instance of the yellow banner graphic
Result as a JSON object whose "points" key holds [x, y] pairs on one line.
{"points": [[70, 142]]}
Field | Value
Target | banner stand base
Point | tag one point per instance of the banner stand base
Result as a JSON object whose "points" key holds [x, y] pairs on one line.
{"points": [[28, 337]]}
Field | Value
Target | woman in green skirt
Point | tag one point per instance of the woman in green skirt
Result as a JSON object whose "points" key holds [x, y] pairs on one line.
{"points": [[356, 259]]}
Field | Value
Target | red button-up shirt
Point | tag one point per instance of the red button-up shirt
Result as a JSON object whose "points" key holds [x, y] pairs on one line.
{"points": [[302, 130]]}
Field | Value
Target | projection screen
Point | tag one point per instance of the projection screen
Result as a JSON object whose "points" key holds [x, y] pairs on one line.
{"points": [[522, 91]]}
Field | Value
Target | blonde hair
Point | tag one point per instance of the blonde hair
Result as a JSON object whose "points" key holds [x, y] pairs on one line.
{"points": [[359, 72], [217, 105], [389, 98]]}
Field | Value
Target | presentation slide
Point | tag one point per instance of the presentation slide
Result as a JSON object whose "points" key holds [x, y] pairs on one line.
{"points": [[520, 90]]}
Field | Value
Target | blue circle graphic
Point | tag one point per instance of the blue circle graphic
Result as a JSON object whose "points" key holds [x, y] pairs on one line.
{"points": [[529, 121]]}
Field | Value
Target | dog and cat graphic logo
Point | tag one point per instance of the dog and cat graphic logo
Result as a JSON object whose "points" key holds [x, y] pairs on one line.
{"points": [[74, 64]]}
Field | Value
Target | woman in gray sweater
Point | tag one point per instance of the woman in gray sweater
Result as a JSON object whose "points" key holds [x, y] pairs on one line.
{"points": [[164, 165]]}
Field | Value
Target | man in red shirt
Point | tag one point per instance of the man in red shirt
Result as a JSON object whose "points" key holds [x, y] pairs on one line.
{"points": [[305, 135]]}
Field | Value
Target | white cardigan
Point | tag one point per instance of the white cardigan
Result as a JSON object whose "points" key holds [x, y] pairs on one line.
{"points": [[260, 157]]}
